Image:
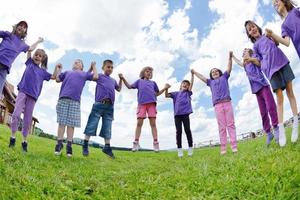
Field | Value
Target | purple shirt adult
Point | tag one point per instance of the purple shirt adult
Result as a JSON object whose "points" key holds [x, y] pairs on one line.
{"points": [[182, 102], [219, 88], [272, 59], [105, 88], [10, 47], [32, 79], [291, 28], [256, 77], [72, 83], [147, 90]]}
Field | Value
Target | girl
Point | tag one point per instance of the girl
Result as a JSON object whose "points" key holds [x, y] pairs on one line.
{"points": [[260, 87], [29, 90], [68, 105], [11, 46], [147, 93], [219, 87], [182, 110], [275, 66]]}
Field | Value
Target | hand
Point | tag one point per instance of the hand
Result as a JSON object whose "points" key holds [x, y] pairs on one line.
{"points": [[192, 71], [40, 40], [269, 32], [247, 60], [230, 54], [93, 64], [59, 66], [167, 86], [121, 76]]}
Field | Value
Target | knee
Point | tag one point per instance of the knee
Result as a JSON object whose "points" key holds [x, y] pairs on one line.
{"points": [[139, 124]]}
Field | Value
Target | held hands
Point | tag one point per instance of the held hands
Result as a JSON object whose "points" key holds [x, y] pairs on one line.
{"points": [[192, 71], [268, 32], [167, 86], [230, 54], [40, 40], [121, 76], [59, 66]]}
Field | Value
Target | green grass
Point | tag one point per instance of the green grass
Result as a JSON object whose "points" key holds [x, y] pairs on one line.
{"points": [[256, 172]]}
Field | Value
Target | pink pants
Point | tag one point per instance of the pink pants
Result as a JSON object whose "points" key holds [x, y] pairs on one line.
{"points": [[23, 103], [225, 118]]}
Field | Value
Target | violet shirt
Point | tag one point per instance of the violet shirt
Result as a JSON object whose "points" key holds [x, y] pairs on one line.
{"points": [[219, 88], [182, 102], [10, 47], [73, 82], [291, 28], [272, 59], [147, 90], [256, 77], [105, 88], [32, 79]]}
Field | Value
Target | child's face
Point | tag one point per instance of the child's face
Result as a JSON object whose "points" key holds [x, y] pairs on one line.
{"points": [[252, 30], [215, 73], [77, 65], [108, 68], [279, 6], [148, 74], [246, 53], [184, 86], [38, 57], [21, 29]]}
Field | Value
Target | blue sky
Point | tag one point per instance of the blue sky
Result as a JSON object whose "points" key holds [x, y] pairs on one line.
{"points": [[171, 36]]}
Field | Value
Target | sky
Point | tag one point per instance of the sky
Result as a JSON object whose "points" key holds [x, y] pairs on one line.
{"points": [[171, 36]]}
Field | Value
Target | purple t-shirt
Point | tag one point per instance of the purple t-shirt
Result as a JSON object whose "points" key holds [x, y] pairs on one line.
{"points": [[32, 79], [219, 88], [182, 102], [272, 59], [72, 83], [147, 90], [10, 47], [291, 28], [105, 88], [256, 78]]}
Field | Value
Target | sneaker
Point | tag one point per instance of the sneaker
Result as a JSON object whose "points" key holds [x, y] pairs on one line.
{"points": [[223, 152], [136, 146], [156, 147], [69, 150], [85, 148], [235, 150], [282, 137], [12, 142], [190, 151], [294, 136], [269, 138], [180, 153], [108, 151], [24, 146], [59, 146], [276, 134]]}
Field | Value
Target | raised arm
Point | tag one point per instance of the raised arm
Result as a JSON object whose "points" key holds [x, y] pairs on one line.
{"points": [[192, 81], [34, 45], [200, 76], [59, 69], [237, 61], [122, 78], [54, 75], [229, 65], [163, 90], [167, 94], [120, 83], [94, 71], [278, 39]]}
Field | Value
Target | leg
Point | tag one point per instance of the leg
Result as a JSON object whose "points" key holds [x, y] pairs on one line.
{"points": [[19, 107], [221, 119], [138, 129], [70, 133], [153, 128], [291, 97], [271, 106], [178, 126], [60, 132], [262, 104], [280, 105], [3, 74], [27, 122], [187, 129], [230, 125]]}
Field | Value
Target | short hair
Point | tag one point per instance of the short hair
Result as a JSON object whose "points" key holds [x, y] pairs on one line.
{"points": [[210, 73], [106, 62], [80, 62], [253, 40], [143, 72], [249, 50], [186, 81]]}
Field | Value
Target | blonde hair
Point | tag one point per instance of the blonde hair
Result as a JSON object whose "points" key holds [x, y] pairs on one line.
{"points": [[23, 36], [44, 63], [144, 70]]}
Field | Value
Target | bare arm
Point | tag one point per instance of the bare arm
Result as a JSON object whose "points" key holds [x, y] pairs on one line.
{"points": [[54, 75], [192, 81], [253, 60], [34, 45], [229, 65], [59, 69], [94, 70], [120, 84], [122, 78], [278, 39], [163, 90], [167, 94], [200, 76], [237, 61]]}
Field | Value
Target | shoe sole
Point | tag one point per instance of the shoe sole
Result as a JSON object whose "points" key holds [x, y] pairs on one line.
{"points": [[57, 153], [108, 155]]}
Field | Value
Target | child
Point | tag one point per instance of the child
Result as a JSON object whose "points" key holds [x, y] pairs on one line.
{"points": [[147, 93], [260, 87], [182, 110], [290, 27], [11, 46], [275, 66], [29, 90], [103, 107], [68, 105], [219, 87]]}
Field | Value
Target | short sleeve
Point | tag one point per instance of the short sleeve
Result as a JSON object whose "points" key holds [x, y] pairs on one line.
{"points": [[135, 85], [284, 31], [47, 75], [190, 93], [208, 82], [156, 89], [62, 76], [88, 76], [25, 48], [226, 75], [256, 53], [173, 94], [28, 61], [4, 34]]}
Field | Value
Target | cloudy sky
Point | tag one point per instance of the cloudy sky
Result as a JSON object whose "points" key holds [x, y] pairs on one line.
{"points": [[171, 36]]}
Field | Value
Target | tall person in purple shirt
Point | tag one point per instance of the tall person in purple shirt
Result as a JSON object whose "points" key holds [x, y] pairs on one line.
{"points": [[68, 105], [11, 46], [147, 93], [275, 66], [102, 108], [219, 87], [182, 110], [30, 88], [261, 88]]}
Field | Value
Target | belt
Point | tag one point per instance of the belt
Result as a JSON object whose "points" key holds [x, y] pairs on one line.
{"points": [[105, 101]]}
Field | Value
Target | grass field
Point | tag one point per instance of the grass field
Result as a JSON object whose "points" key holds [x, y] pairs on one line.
{"points": [[256, 172]]}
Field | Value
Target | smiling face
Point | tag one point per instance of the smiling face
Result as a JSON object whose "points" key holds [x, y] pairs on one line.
{"points": [[38, 56], [148, 74], [253, 30], [215, 73], [184, 85], [21, 29], [78, 65], [246, 53], [279, 6], [108, 68]]}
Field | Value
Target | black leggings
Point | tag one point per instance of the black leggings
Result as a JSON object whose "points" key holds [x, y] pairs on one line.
{"points": [[185, 119]]}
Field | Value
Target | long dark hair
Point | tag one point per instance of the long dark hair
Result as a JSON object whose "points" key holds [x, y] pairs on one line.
{"points": [[288, 4], [210, 73], [253, 40]]}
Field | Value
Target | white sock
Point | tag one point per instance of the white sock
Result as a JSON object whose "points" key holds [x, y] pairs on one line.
{"points": [[295, 123]]}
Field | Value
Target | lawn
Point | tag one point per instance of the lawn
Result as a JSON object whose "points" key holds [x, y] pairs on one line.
{"points": [[255, 172]]}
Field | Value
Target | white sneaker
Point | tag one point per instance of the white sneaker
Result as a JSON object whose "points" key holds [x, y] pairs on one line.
{"points": [[180, 153], [135, 147], [156, 147], [294, 134], [282, 137], [190, 151]]}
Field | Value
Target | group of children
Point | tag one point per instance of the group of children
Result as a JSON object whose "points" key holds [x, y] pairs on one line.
{"points": [[265, 59]]}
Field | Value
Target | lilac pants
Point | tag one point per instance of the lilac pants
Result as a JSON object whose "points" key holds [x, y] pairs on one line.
{"points": [[23, 103], [267, 107], [225, 118]]}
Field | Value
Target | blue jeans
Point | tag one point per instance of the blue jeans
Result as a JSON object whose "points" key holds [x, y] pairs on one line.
{"points": [[106, 111], [3, 73]]}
